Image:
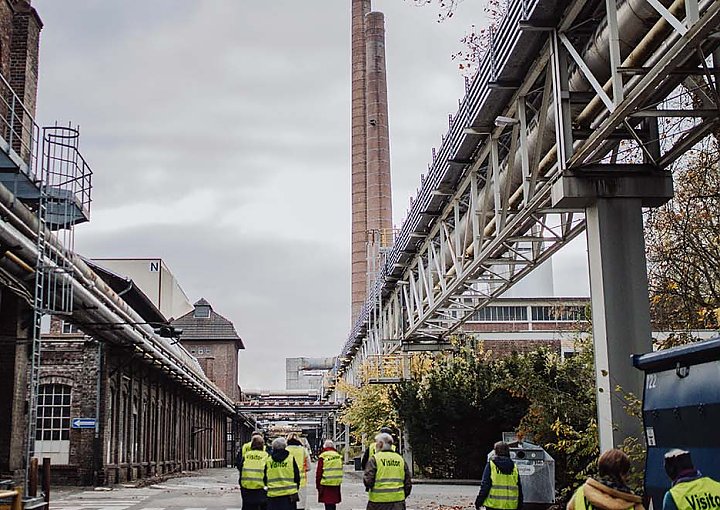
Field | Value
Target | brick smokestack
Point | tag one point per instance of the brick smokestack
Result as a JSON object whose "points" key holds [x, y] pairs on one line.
{"points": [[379, 198], [360, 8]]}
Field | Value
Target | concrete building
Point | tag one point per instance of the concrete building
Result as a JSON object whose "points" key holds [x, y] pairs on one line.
{"points": [[306, 373], [155, 279], [212, 339]]}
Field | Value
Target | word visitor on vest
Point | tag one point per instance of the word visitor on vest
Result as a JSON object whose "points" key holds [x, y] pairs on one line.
{"points": [[392, 462], [703, 502]]}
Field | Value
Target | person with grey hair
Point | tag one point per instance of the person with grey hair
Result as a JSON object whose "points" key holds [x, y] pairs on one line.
{"points": [[329, 475], [282, 477], [387, 477], [500, 487]]}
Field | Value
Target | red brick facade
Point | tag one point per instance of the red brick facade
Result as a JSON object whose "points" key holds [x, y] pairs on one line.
{"points": [[148, 423]]}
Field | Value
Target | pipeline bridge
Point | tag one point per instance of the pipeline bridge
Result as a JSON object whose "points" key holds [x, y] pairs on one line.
{"points": [[562, 130]]}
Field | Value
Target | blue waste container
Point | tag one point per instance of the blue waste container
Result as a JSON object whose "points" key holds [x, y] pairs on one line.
{"points": [[681, 408]]}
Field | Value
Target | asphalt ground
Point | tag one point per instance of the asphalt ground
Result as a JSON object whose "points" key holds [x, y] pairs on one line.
{"points": [[218, 489]]}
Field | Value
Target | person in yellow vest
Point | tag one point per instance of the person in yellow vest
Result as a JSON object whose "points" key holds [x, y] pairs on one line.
{"points": [[247, 446], [387, 477], [370, 450], [690, 489], [609, 490], [329, 476], [302, 457], [282, 477], [252, 475], [500, 487]]}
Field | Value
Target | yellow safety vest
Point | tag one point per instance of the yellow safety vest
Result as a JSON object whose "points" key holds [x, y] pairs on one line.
{"points": [[332, 468], [389, 484], [701, 493], [504, 492], [280, 477], [298, 453], [246, 447], [253, 469], [582, 504]]}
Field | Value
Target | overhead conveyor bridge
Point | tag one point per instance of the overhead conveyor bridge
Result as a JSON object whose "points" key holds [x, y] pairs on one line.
{"points": [[566, 106]]}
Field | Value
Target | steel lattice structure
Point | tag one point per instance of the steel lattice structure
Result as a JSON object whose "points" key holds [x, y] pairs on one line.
{"points": [[557, 95]]}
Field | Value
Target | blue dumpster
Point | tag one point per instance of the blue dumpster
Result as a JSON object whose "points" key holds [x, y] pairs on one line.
{"points": [[681, 409]]}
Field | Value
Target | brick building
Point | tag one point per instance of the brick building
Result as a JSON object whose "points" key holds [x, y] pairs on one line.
{"points": [[148, 424], [212, 339], [524, 324]]}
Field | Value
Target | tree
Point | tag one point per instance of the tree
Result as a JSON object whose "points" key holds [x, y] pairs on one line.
{"points": [[455, 412], [561, 414], [368, 409], [683, 246], [478, 39]]}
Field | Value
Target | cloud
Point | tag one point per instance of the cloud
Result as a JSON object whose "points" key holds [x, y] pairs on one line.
{"points": [[219, 134]]}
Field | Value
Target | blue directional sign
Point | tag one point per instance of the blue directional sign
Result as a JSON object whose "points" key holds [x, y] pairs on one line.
{"points": [[83, 423]]}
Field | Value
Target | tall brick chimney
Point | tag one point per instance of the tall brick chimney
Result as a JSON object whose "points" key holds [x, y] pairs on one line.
{"points": [[371, 192], [379, 200], [360, 8]]}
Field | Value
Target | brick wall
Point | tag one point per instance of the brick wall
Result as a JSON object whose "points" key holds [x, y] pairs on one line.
{"points": [[148, 423], [504, 348], [220, 365], [73, 361], [15, 321]]}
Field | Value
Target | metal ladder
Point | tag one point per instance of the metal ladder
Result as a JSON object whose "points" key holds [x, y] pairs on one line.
{"points": [[53, 293]]}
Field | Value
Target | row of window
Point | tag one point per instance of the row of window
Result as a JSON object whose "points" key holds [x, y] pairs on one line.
{"points": [[537, 314], [200, 350]]}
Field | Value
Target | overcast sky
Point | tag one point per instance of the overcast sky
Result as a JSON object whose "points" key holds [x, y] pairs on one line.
{"points": [[219, 134]]}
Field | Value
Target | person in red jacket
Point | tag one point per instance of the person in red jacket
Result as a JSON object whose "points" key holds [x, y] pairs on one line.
{"points": [[328, 486]]}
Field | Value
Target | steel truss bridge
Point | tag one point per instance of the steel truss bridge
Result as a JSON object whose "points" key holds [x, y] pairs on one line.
{"points": [[569, 106]]}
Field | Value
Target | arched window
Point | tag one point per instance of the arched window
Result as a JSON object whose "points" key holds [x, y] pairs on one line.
{"points": [[52, 434]]}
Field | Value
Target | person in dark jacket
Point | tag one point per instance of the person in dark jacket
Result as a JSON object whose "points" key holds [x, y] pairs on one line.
{"points": [[690, 489], [500, 472], [279, 455], [370, 450], [327, 494], [252, 477]]}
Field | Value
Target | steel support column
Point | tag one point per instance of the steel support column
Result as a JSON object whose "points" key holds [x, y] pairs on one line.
{"points": [[613, 197], [620, 311]]}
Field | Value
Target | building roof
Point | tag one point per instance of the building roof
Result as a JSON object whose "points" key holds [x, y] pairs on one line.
{"points": [[209, 326], [128, 292]]}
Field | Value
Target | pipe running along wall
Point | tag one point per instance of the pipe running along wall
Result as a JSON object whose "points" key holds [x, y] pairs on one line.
{"points": [[96, 302]]}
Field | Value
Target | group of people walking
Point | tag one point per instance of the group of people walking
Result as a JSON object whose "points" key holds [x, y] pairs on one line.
{"points": [[500, 488], [276, 478]]}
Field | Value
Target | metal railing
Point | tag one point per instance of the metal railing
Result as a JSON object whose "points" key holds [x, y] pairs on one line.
{"points": [[19, 134], [64, 170]]}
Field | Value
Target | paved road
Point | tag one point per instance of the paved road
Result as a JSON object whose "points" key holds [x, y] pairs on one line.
{"points": [[216, 489]]}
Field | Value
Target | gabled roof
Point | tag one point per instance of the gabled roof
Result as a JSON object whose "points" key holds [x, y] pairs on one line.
{"points": [[215, 327]]}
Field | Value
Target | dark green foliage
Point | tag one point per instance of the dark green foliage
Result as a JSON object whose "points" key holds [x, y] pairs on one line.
{"points": [[561, 415], [455, 413]]}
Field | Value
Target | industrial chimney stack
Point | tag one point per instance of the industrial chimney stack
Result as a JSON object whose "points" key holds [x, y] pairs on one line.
{"points": [[371, 191]]}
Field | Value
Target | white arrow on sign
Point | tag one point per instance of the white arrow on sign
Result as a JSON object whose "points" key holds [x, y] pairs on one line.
{"points": [[83, 423]]}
